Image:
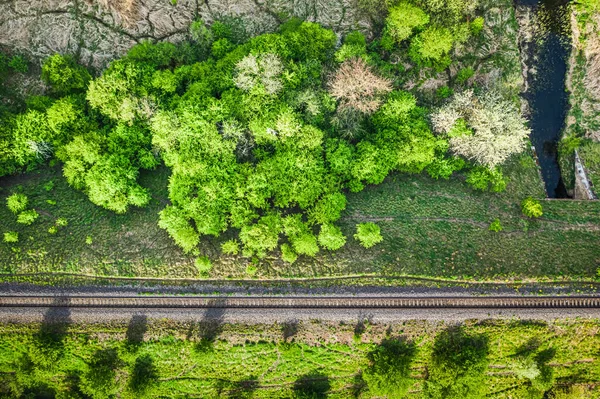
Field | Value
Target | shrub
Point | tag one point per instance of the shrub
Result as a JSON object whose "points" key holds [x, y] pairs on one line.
{"points": [[331, 237], [17, 202], [251, 270], [203, 265], [495, 226], [355, 86], [53, 230], [61, 222], [482, 178], [27, 217], [389, 371], [64, 75], [19, 64], [89, 240], [444, 92], [368, 234], [230, 247], [464, 74], [288, 254], [531, 208], [477, 25], [11, 237]]}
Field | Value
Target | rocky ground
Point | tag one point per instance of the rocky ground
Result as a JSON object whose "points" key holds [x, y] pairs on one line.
{"points": [[98, 31]]}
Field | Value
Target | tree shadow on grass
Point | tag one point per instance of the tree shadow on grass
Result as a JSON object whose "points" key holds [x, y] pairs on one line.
{"points": [[49, 340], [363, 321], [138, 325], [243, 389], [211, 325], [289, 329], [314, 385], [144, 374]]}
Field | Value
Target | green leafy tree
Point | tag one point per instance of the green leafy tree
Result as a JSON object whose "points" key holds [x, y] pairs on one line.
{"points": [[368, 234], [64, 75], [331, 237], [403, 19]]}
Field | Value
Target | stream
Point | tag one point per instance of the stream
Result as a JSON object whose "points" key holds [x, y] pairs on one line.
{"points": [[547, 95]]}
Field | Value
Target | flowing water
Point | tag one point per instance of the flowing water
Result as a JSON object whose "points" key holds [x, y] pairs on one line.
{"points": [[547, 95]]}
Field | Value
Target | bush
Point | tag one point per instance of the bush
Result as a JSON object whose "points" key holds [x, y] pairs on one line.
{"points": [[203, 265], [17, 202], [477, 25], [61, 222], [63, 74], [368, 234], [495, 226], [389, 371], [464, 74], [444, 92], [11, 237], [531, 208], [484, 179], [27, 217], [331, 237], [287, 254], [230, 247], [18, 63]]}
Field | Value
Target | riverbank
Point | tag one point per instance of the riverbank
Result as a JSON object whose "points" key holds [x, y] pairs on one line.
{"points": [[582, 132]]}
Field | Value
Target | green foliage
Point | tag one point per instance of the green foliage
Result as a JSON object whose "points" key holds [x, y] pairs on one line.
{"points": [[477, 25], [531, 208], [19, 64], [368, 234], [464, 74], [230, 247], [482, 178], [288, 254], [89, 240], [17, 202], [457, 367], [331, 237], [11, 237], [444, 92], [389, 371], [495, 226], [27, 217], [432, 47], [64, 75], [403, 19], [175, 222], [203, 265]]}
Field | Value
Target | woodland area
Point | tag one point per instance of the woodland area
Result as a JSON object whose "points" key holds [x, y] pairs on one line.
{"points": [[265, 140]]}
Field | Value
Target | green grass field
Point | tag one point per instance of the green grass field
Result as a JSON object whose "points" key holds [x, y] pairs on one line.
{"points": [[430, 228], [196, 360]]}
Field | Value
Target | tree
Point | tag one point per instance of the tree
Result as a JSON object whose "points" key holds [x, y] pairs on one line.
{"points": [[368, 234], [264, 70], [403, 19], [355, 86], [431, 46], [331, 237], [64, 75], [497, 129]]}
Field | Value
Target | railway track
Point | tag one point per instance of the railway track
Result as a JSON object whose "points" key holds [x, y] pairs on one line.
{"points": [[165, 302]]}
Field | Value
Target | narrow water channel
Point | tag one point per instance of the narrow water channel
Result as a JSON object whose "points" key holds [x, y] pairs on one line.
{"points": [[547, 95]]}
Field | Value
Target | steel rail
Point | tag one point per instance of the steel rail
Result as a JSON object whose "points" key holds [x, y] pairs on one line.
{"points": [[299, 302]]}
